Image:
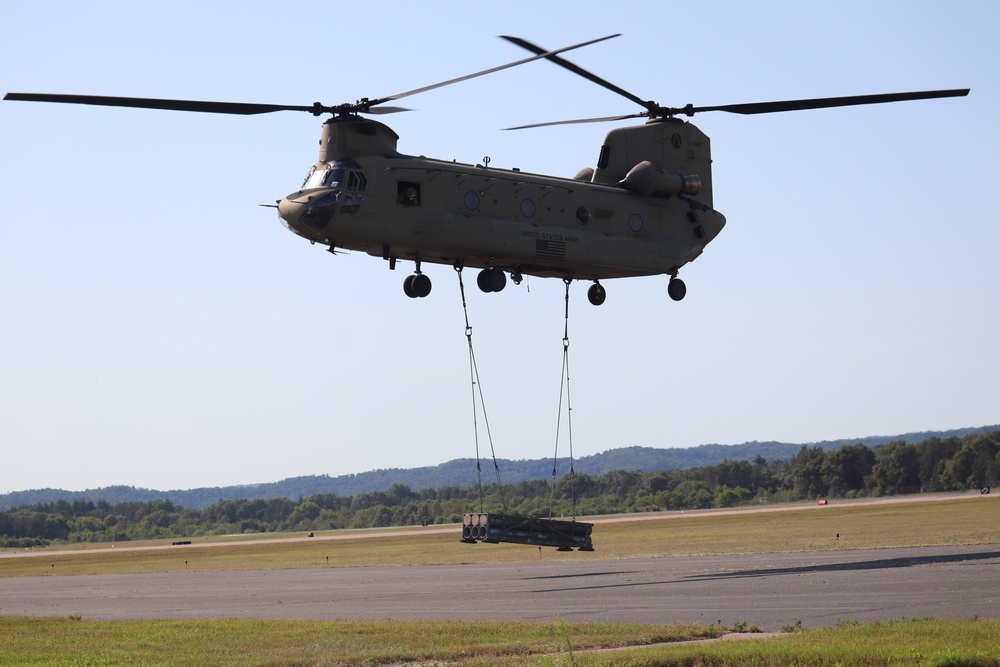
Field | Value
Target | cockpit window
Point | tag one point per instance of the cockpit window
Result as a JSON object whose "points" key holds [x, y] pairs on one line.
{"points": [[340, 175], [357, 182], [309, 178], [334, 178]]}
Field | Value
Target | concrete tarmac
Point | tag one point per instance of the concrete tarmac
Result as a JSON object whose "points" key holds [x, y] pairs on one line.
{"points": [[768, 590]]}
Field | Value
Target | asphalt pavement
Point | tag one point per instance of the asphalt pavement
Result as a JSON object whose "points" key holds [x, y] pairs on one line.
{"points": [[768, 590]]}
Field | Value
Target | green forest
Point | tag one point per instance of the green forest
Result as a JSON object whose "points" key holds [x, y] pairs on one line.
{"points": [[857, 470]]}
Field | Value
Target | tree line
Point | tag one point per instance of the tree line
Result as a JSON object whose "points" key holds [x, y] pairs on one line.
{"points": [[856, 470]]}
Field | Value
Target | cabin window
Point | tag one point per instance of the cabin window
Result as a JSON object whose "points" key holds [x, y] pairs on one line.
{"points": [[408, 193], [471, 200]]}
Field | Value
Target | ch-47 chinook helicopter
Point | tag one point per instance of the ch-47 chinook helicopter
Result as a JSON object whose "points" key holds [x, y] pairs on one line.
{"points": [[646, 209]]}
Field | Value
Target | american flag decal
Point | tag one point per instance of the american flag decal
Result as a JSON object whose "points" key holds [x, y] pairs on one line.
{"points": [[550, 249]]}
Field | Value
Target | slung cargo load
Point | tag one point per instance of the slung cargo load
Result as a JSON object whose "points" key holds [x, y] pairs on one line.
{"points": [[559, 533]]}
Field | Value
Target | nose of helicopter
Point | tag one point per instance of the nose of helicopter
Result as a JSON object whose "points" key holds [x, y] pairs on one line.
{"points": [[307, 214], [289, 211]]}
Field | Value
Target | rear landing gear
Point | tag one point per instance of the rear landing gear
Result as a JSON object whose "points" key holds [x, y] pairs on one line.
{"points": [[676, 289], [597, 294]]}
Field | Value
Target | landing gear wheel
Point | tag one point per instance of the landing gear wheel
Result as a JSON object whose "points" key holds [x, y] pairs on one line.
{"points": [[483, 280], [417, 286], [676, 289], [597, 294], [498, 279], [421, 285], [491, 280]]}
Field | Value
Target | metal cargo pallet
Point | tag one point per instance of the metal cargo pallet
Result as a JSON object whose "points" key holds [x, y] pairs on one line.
{"points": [[495, 528]]}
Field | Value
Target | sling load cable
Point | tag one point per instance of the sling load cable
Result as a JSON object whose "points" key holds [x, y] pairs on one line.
{"points": [[564, 382], [564, 535], [476, 384]]}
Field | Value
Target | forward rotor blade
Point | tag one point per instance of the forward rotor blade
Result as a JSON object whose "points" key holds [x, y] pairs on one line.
{"points": [[364, 106], [541, 54], [825, 102], [579, 120], [576, 69], [153, 103], [385, 110]]}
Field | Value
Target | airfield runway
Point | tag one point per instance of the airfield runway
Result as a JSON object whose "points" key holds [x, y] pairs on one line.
{"points": [[769, 590]]}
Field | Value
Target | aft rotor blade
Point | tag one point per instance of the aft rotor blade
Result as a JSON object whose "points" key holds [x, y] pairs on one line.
{"points": [[605, 119], [153, 103], [826, 102], [576, 69], [541, 54]]}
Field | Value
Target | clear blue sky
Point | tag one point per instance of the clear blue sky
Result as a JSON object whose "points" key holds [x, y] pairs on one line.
{"points": [[160, 329]]}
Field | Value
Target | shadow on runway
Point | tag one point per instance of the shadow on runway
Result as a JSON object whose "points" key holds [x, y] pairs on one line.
{"points": [[582, 574], [877, 564]]}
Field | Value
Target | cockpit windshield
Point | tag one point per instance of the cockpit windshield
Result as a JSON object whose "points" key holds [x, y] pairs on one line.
{"points": [[341, 184], [338, 175], [324, 178]]}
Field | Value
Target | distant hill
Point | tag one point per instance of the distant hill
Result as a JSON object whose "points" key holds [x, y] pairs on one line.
{"points": [[462, 472]]}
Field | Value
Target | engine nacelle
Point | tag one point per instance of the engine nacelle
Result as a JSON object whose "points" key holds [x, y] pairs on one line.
{"points": [[647, 180]]}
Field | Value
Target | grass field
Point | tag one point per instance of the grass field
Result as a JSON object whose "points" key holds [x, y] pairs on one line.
{"points": [[58, 642], [941, 522], [953, 521]]}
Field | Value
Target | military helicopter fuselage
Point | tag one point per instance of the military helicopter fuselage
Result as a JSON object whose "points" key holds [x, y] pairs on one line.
{"points": [[645, 210]]}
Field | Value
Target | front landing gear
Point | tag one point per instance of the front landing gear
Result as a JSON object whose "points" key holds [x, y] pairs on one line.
{"points": [[676, 289], [491, 280], [418, 285]]}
